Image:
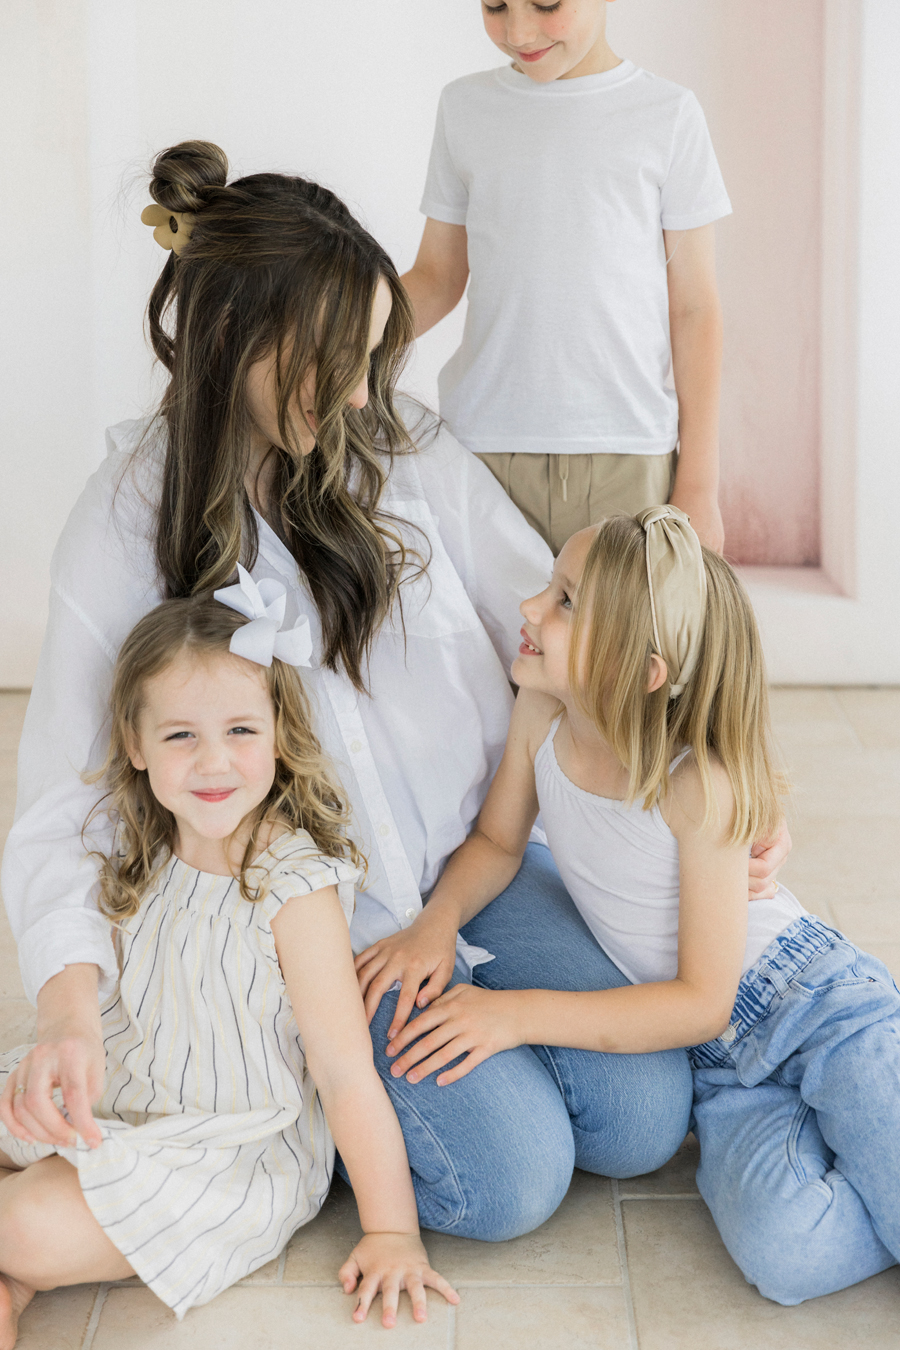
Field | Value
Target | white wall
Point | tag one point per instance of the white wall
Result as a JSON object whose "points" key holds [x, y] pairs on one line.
{"points": [[345, 91], [340, 90]]}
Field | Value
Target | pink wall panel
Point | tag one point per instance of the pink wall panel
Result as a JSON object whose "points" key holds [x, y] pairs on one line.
{"points": [[756, 66]]}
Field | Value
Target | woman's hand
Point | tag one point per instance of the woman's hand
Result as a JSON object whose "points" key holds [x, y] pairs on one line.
{"points": [[767, 857], [69, 1055], [424, 951], [390, 1262], [466, 1021]]}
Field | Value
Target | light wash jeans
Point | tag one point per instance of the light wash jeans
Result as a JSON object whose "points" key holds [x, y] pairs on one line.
{"points": [[797, 1109], [492, 1155]]}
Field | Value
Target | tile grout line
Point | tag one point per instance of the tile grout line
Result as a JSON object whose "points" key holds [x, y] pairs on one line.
{"points": [[94, 1321], [623, 1265], [672, 1195]]}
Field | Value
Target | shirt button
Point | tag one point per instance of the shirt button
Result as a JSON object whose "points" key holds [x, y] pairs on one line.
{"points": [[411, 913], [729, 1034], [356, 746], [384, 829]]}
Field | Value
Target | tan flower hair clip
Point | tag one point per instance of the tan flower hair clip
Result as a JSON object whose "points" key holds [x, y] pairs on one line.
{"points": [[172, 229]]}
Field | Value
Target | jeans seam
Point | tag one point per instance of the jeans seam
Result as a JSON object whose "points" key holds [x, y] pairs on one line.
{"points": [[448, 1161]]}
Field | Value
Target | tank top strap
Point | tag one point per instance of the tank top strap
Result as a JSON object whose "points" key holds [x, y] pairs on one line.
{"points": [[547, 742], [678, 758]]}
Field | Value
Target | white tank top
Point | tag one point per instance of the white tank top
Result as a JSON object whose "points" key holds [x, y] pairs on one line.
{"points": [[620, 866]]}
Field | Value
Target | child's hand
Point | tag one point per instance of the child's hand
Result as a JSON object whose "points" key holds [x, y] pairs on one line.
{"points": [[767, 856], [466, 1021], [424, 951], [390, 1262]]}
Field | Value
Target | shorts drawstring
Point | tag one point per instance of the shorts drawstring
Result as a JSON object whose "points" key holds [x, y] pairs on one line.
{"points": [[563, 462]]}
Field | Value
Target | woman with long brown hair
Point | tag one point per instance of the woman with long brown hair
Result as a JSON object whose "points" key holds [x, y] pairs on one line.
{"points": [[280, 444]]}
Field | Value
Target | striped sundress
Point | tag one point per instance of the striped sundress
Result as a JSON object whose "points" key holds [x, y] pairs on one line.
{"points": [[215, 1147]]}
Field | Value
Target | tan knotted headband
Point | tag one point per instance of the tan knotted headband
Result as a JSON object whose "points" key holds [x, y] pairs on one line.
{"points": [[171, 229], [676, 577]]}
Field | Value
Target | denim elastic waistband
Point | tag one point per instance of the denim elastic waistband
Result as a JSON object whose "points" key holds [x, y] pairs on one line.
{"points": [[765, 981]]}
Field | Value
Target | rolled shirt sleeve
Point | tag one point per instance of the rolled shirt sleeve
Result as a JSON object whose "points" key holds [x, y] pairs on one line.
{"points": [[101, 583]]}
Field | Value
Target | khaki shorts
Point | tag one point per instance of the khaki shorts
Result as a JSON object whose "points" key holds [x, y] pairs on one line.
{"points": [[560, 494]]}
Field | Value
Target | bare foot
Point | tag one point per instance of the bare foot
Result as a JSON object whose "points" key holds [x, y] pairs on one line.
{"points": [[14, 1299]]}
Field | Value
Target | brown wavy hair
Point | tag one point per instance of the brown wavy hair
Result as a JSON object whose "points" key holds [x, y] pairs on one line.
{"points": [[723, 710], [303, 795], [278, 265]]}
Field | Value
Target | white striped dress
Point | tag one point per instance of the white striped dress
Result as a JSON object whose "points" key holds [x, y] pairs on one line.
{"points": [[215, 1147]]}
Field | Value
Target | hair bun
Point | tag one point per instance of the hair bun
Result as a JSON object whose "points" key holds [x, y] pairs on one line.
{"points": [[181, 175]]}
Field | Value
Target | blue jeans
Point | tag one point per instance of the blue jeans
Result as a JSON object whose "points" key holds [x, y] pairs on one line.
{"points": [[629, 1113], [797, 1109], [492, 1155]]}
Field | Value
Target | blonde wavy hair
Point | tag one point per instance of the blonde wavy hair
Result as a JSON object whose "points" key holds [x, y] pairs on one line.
{"points": [[302, 796], [723, 710]]}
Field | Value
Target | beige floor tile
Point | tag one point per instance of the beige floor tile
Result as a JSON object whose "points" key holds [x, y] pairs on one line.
{"points": [[837, 782], [689, 1295], [868, 921], [267, 1274], [853, 857], [259, 1318], [889, 953], [577, 1245], [12, 715], [874, 714], [676, 1178], [809, 717], [529, 1319], [58, 1320], [17, 1023], [317, 1251], [10, 978]]}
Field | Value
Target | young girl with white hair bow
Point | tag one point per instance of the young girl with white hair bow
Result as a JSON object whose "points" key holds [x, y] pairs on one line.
{"points": [[237, 1049], [641, 733]]}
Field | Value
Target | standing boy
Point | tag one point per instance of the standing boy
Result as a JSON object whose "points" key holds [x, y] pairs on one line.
{"points": [[579, 192]]}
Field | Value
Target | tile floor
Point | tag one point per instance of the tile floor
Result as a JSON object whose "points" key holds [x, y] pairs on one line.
{"points": [[627, 1266]]}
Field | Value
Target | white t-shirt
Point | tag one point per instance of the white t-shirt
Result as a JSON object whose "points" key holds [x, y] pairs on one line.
{"points": [[564, 189]]}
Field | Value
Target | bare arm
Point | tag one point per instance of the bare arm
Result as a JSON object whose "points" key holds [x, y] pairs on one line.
{"points": [[689, 1009], [313, 945], [69, 1055], [478, 871], [695, 323], [437, 279]]}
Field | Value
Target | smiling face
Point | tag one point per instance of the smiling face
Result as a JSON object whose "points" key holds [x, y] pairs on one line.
{"points": [[206, 737], [551, 41], [262, 394], [543, 660]]}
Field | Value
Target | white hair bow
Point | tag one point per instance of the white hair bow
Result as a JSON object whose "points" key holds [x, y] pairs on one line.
{"points": [[262, 639]]}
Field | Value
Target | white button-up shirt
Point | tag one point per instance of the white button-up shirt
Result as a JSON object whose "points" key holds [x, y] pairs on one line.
{"points": [[415, 756]]}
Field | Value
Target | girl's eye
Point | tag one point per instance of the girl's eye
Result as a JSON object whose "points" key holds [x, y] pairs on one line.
{"points": [[242, 731], [549, 9], [566, 601], [495, 9], [178, 736]]}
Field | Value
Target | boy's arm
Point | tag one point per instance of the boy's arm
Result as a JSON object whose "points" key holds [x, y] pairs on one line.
{"points": [[695, 324], [437, 279]]}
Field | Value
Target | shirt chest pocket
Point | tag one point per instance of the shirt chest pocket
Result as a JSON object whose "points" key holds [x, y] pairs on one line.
{"points": [[434, 601]]}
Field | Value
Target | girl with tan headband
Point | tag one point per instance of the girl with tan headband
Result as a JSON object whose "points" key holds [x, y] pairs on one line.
{"points": [[641, 734]]}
